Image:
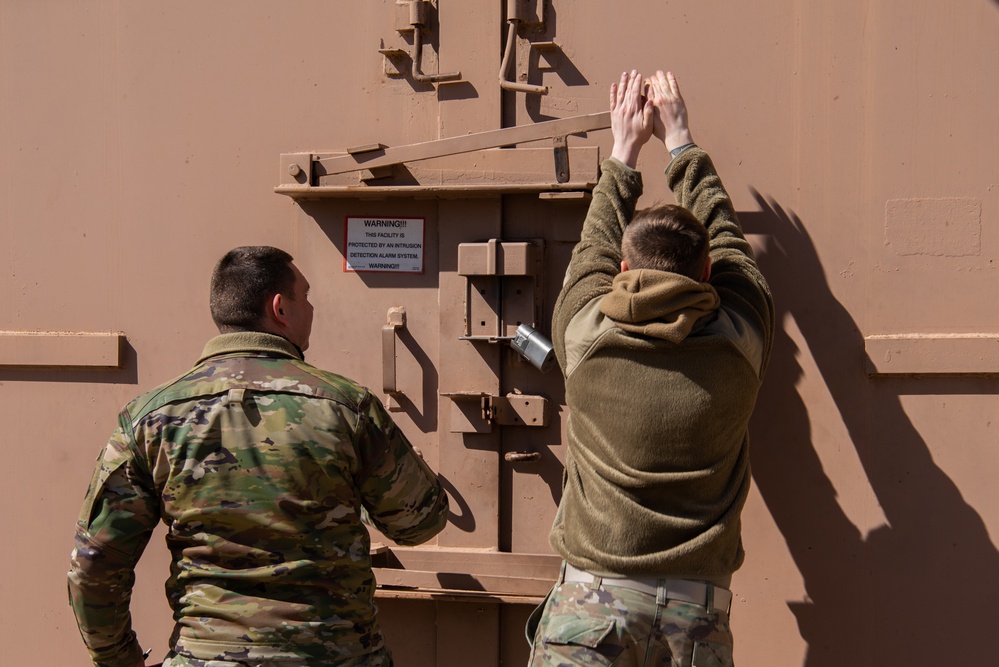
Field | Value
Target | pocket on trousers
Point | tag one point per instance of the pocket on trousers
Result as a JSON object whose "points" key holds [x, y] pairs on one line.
{"points": [[576, 636], [711, 655], [534, 620]]}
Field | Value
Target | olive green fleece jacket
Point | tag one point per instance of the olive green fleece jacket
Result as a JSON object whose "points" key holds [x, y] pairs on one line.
{"points": [[661, 375]]}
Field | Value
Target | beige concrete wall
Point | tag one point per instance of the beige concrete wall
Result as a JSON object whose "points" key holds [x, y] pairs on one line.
{"points": [[139, 141]]}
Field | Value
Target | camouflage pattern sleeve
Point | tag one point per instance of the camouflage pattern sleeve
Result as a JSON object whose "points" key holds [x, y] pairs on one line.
{"points": [[114, 526], [400, 493]]}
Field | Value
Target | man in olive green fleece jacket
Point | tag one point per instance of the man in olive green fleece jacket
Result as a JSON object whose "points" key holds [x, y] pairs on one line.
{"points": [[663, 347]]}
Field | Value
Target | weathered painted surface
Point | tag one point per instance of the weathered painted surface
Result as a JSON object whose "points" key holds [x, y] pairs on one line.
{"points": [[139, 141]]}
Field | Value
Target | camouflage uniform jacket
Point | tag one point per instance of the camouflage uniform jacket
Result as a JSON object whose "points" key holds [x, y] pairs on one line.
{"points": [[263, 468]]}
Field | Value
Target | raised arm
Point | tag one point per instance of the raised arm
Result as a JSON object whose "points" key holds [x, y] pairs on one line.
{"points": [[670, 117], [692, 177], [632, 118], [597, 257]]}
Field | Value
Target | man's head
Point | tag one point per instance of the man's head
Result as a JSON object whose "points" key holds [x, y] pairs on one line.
{"points": [[667, 238], [258, 288]]}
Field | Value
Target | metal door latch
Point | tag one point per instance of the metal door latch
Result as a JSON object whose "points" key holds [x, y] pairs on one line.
{"points": [[476, 412]]}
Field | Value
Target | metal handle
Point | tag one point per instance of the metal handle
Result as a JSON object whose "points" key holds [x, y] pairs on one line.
{"points": [[520, 457], [506, 84], [418, 20], [396, 321]]}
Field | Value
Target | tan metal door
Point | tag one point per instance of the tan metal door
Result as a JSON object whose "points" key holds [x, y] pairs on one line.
{"points": [[498, 226], [488, 420], [856, 138]]}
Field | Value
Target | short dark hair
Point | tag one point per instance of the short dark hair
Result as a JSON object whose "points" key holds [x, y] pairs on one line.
{"points": [[243, 280], [666, 238]]}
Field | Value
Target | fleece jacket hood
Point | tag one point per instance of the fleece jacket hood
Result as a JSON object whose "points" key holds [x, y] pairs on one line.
{"points": [[659, 304]]}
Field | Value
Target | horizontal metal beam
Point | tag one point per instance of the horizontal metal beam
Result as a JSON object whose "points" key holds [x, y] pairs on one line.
{"points": [[443, 191], [457, 596], [496, 563], [66, 349], [938, 354], [507, 136], [462, 581]]}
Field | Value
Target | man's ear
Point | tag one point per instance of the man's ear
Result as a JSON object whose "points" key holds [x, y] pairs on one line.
{"points": [[275, 309], [707, 271], [624, 265]]}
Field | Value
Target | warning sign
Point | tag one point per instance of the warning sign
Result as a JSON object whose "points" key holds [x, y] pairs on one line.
{"points": [[384, 244]]}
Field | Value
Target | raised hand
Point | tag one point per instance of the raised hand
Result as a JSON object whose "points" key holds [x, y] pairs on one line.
{"points": [[670, 118], [631, 118]]}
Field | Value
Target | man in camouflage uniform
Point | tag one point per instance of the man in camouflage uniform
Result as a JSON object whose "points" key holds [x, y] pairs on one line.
{"points": [[663, 329], [263, 468]]}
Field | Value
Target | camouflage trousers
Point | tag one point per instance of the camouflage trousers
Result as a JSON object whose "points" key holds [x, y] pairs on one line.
{"points": [[582, 624], [380, 658]]}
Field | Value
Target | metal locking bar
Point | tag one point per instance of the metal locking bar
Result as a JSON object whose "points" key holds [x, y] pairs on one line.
{"points": [[478, 412]]}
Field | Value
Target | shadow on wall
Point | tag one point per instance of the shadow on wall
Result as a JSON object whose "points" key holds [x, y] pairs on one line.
{"points": [[910, 592]]}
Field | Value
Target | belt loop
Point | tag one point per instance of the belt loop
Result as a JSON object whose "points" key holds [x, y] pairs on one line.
{"points": [[662, 595], [561, 573], [709, 602], [597, 581]]}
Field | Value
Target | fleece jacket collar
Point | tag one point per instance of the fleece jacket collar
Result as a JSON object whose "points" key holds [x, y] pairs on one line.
{"points": [[659, 304], [250, 341]]}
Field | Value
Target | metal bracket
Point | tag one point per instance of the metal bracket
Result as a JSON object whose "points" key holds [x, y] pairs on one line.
{"points": [[501, 290], [416, 23], [550, 52], [298, 167], [498, 258], [392, 62], [517, 410], [561, 147], [374, 173], [476, 412]]}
